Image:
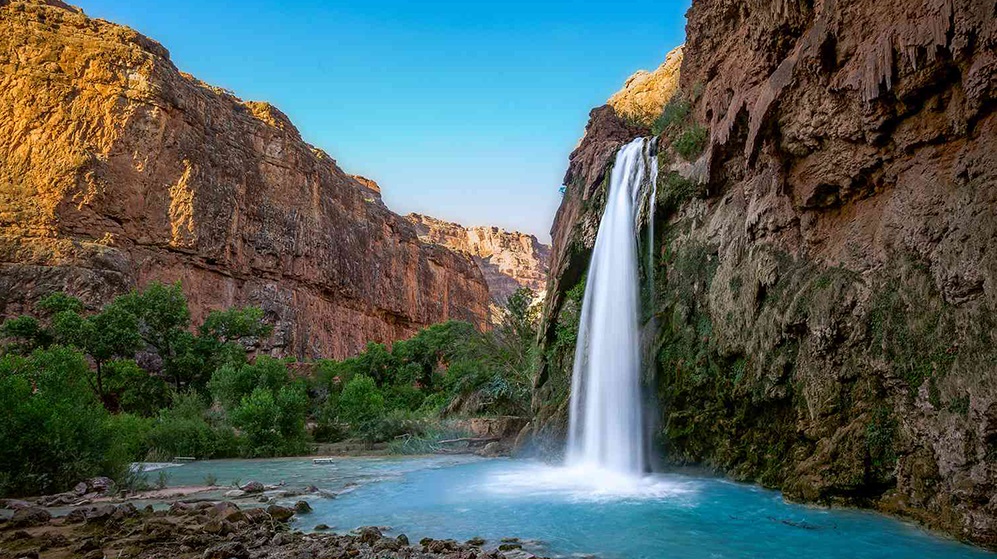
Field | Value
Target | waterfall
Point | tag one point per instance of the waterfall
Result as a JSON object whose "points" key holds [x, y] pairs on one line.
{"points": [[606, 430]]}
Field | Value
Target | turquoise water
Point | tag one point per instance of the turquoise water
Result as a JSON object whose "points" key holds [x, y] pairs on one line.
{"points": [[571, 512]]}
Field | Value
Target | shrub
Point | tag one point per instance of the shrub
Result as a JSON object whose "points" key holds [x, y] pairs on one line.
{"points": [[360, 401], [54, 430], [273, 422], [691, 142], [391, 425], [675, 113]]}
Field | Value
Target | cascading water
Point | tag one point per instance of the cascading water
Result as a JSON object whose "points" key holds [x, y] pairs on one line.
{"points": [[606, 430]]}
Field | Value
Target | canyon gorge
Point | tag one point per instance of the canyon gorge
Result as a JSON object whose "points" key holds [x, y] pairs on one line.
{"points": [[821, 319], [118, 170]]}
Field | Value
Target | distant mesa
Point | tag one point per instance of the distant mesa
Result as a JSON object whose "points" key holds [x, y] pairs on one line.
{"points": [[508, 259]]}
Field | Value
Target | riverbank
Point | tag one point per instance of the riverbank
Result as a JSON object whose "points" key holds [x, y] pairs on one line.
{"points": [[213, 530]]}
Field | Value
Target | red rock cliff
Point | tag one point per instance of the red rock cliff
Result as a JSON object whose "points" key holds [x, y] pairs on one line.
{"points": [[826, 269], [116, 170], [508, 259]]}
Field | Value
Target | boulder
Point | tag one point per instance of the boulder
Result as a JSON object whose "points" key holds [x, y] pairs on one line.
{"points": [[29, 516], [369, 534], [302, 507], [227, 511], [279, 513], [253, 487]]}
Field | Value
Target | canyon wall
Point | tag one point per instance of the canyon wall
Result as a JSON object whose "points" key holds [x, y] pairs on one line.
{"points": [[509, 260], [116, 169], [825, 264]]}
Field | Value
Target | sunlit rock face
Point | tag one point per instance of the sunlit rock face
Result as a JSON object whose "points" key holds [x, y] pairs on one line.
{"points": [[116, 169], [826, 266], [645, 93], [509, 260]]}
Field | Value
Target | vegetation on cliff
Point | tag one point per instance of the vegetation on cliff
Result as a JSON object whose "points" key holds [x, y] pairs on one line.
{"points": [[83, 394]]}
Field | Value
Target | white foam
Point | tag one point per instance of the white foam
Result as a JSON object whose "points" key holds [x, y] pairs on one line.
{"points": [[585, 483]]}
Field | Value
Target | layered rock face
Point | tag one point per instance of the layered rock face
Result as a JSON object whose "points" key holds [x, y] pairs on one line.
{"points": [[822, 319], [509, 260], [116, 170]]}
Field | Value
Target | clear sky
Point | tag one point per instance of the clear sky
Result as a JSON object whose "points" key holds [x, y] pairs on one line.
{"points": [[465, 110]]}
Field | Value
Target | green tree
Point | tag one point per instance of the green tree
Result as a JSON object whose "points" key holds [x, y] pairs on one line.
{"points": [[230, 384], [110, 334], [360, 401], [58, 302], [163, 322], [273, 422], [133, 389], [54, 430], [24, 334]]}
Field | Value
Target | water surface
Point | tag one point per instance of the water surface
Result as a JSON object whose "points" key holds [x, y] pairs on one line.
{"points": [[580, 511]]}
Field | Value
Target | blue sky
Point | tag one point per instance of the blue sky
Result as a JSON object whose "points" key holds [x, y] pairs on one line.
{"points": [[466, 111]]}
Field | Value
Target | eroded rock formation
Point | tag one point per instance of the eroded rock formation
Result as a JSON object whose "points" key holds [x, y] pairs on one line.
{"points": [[645, 93], [116, 170], [826, 269], [508, 259]]}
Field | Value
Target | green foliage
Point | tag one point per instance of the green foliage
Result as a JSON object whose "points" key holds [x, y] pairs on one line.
{"points": [[59, 302], [691, 142], [675, 113], [133, 390], [183, 430], [54, 431], [880, 438], [235, 324], [273, 421], [231, 383], [674, 190], [23, 334], [360, 401]]}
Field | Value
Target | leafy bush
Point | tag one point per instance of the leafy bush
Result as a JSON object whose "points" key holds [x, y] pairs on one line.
{"points": [[675, 113], [54, 430], [360, 401], [691, 142], [273, 422]]}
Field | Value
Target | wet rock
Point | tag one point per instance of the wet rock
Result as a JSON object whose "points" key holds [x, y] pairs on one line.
{"points": [[476, 541], [227, 511], [32, 554], [29, 516], [509, 546], [14, 504], [302, 507], [320, 527], [279, 513], [402, 539], [253, 487], [235, 494], [230, 550], [491, 450], [369, 534]]}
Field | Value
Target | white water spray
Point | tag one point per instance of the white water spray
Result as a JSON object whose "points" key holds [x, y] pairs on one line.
{"points": [[606, 430]]}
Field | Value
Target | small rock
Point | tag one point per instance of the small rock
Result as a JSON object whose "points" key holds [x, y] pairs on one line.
{"points": [[253, 487], [281, 538], [279, 513], [230, 550], [402, 539], [476, 541], [235, 494], [31, 554], [320, 527], [15, 504], [227, 511], [31, 516], [302, 507], [369, 534], [491, 450], [509, 546]]}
